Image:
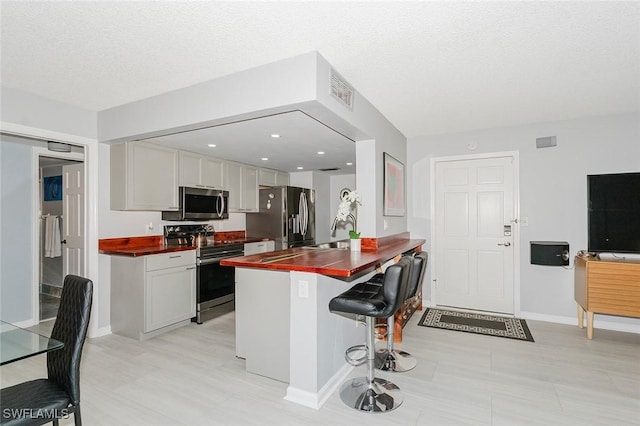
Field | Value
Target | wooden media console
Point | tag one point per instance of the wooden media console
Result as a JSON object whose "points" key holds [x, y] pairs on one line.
{"points": [[610, 287]]}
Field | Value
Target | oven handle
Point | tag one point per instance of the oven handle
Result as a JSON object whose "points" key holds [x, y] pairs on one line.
{"points": [[216, 259]]}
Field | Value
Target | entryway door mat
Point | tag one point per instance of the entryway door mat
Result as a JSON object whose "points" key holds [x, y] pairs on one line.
{"points": [[490, 325]]}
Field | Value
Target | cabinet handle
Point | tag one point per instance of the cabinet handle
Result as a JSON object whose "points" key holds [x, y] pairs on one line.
{"points": [[175, 257], [191, 267]]}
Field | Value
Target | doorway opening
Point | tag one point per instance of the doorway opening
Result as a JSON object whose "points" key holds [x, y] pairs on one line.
{"points": [[52, 252]]}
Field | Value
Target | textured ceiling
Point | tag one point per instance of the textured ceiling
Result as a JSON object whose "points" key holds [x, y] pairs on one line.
{"points": [[429, 67]]}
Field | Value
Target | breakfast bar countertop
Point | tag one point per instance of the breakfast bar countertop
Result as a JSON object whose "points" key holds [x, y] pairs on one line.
{"points": [[335, 262]]}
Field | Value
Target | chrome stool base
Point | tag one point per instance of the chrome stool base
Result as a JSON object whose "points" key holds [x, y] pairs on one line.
{"points": [[378, 397], [396, 361]]}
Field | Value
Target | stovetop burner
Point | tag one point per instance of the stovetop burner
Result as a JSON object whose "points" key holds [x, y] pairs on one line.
{"points": [[186, 235]]}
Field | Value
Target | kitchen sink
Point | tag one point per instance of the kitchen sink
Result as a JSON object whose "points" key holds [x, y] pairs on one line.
{"points": [[342, 244]]}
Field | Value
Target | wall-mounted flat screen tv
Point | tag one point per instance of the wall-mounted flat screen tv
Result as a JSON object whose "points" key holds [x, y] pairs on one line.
{"points": [[614, 213]]}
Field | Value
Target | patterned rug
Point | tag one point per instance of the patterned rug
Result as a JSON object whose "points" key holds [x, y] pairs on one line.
{"points": [[491, 325]]}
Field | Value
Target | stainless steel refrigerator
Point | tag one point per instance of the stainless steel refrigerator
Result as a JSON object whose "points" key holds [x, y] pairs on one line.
{"points": [[287, 215]]}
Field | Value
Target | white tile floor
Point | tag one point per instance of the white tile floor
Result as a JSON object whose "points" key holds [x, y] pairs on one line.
{"points": [[190, 377]]}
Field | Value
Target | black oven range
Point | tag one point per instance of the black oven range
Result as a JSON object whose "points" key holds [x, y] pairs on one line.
{"points": [[215, 284]]}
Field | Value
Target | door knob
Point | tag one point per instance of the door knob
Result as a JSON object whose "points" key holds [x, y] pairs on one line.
{"points": [[63, 242], [507, 244]]}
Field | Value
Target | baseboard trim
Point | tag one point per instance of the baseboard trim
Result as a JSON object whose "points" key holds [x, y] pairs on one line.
{"points": [[599, 320], [317, 400], [102, 331], [598, 323]]}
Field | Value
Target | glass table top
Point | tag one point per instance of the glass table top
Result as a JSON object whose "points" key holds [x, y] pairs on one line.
{"points": [[18, 343]]}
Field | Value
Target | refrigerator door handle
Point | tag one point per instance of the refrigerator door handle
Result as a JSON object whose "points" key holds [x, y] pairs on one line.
{"points": [[305, 213], [301, 212]]}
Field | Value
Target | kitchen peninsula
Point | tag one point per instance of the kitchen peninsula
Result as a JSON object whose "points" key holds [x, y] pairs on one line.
{"points": [[284, 329]]}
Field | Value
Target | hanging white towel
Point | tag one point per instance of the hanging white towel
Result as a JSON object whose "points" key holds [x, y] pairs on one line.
{"points": [[52, 244]]}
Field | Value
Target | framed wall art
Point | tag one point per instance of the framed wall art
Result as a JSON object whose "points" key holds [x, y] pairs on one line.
{"points": [[394, 187], [52, 188]]}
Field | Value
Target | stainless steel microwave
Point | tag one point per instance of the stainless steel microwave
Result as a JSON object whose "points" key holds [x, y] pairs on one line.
{"points": [[200, 204]]}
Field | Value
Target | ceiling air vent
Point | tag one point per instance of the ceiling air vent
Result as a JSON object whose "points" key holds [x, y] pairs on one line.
{"points": [[341, 90], [330, 169]]}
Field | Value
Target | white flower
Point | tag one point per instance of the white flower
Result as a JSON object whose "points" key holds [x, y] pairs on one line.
{"points": [[349, 200]]}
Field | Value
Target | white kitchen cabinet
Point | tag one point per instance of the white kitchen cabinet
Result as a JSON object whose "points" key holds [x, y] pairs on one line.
{"points": [[267, 177], [191, 169], [152, 294], [144, 177], [215, 173], [242, 184], [282, 178], [250, 186], [259, 247], [200, 171], [270, 177]]}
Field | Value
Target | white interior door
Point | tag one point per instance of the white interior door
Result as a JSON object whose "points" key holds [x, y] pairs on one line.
{"points": [[73, 220], [474, 250]]}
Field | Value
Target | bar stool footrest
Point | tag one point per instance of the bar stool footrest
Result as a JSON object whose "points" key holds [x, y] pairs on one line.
{"points": [[353, 360]]}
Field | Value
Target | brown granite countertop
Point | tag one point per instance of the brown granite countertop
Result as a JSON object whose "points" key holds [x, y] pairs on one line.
{"points": [[154, 244], [332, 261]]}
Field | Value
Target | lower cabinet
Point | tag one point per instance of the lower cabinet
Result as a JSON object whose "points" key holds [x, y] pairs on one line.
{"points": [[152, 294], [259, 247]]}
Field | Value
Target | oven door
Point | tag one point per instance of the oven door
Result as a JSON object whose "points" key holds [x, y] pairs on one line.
{"points": [[215, 288]]}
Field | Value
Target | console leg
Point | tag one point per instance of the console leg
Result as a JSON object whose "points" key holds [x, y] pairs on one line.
{"points": [[580, 316], [589, 325]]}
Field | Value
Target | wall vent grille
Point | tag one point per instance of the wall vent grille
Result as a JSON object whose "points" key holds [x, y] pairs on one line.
{"points": [[341, 90]]}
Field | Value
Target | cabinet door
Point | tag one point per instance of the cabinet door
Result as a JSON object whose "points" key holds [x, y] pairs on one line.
{"points": [[250, 186], [152, 177], [191, 169], [234, 186], [282, 179], [170, 296], [267, 177], [215, 173], [258, 247]]}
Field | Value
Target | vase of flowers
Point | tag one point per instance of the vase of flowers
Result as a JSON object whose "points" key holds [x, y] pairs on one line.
{"points": [[348, 212]]}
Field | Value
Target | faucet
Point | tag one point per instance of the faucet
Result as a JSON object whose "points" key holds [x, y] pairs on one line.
{"points": [[349, 216]]}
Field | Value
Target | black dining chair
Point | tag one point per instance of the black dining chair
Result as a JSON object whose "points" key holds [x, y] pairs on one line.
{"points": [[46, 400]]}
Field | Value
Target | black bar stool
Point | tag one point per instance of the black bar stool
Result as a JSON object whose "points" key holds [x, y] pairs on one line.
{"points": [[372, 394], [391, 359]]}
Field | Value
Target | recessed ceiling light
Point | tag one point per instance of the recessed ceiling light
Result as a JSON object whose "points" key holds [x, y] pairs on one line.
{"points": [[212, 145], [264, 159], [299, 167], [275, 135], [320, 152], [349, 164]]}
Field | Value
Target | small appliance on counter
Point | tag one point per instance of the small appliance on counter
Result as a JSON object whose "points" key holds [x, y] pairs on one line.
{"points": [[287, 216], [215, 284]]}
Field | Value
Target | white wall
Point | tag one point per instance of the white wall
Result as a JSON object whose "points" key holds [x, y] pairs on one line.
{"points": [[31, 110], [16, 271], [553, 192]]}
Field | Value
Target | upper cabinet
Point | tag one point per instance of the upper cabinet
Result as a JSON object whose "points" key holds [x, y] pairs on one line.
{"points": [[144, 177], [215, 173], [200, 171], [242, 184], [282, 178], [270, 177]]}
